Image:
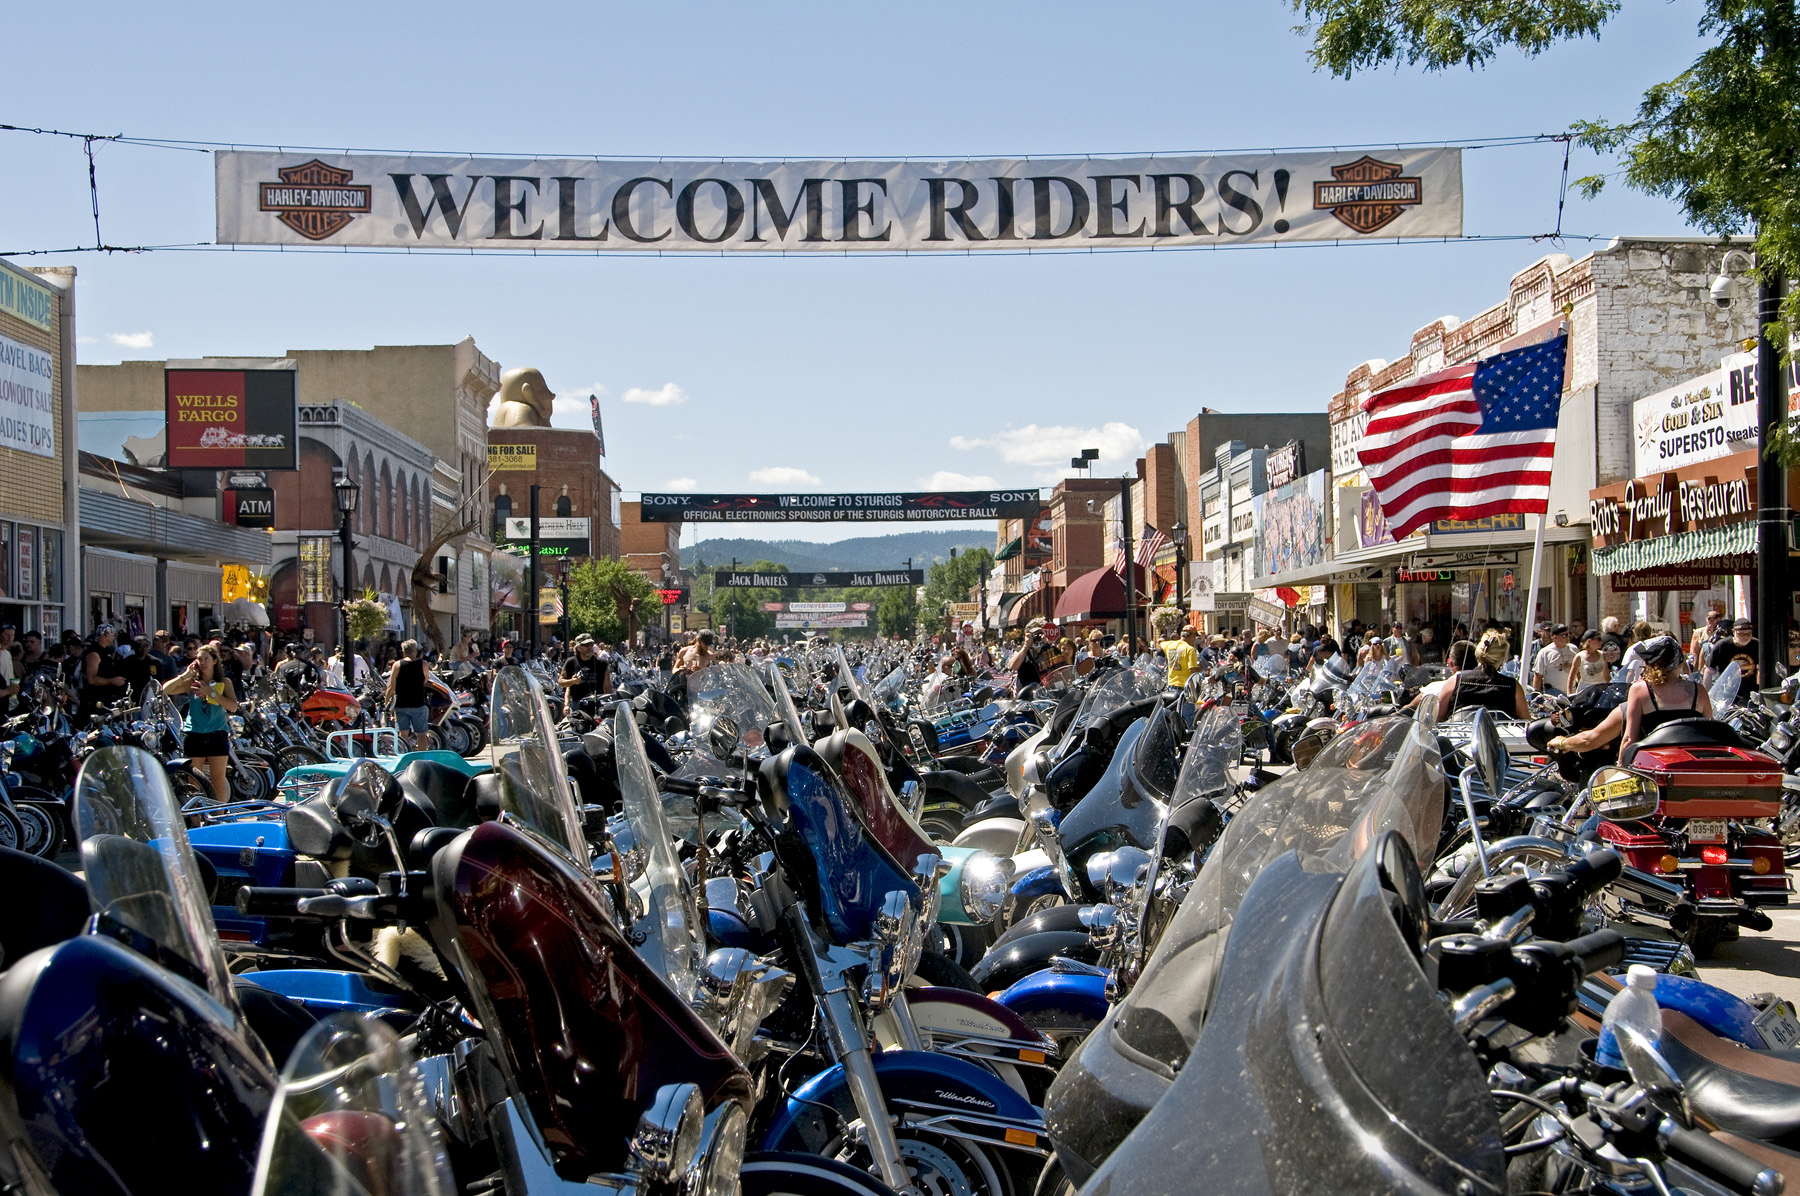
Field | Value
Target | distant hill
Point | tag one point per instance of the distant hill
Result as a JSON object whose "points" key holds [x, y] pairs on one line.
{"points": [[863, 552]]}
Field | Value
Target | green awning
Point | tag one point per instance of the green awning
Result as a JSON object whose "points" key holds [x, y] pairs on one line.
{"points": [[1678, 549], [1012, 549]]}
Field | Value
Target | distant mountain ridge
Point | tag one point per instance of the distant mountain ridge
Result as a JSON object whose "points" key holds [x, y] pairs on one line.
{"points": [[862, 552]]}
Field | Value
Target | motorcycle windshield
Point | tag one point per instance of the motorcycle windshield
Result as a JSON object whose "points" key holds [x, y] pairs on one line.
{"points": [[889, 688], [1725, 690], [1383, 775], [1216, 744], [1270, 666], [1127, 805], [351, 1119], [732, 690], [784, 705], [534, 781], [142, 877], [675, 948], [847, 675], [1330, 1065], [1112, 692]]}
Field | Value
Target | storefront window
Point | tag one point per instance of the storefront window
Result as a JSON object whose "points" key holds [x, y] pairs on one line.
{"points": [[100, 608], [50, 560], [133, 616], [6, 562], [178, 619], [27, 571]]}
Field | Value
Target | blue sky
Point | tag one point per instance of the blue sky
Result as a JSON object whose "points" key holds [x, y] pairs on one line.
{"points": [[799, 373]]}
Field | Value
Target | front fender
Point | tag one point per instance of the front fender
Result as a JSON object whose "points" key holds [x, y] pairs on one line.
{"points": [[917, 1077], [1050, 998], [1033, 883], [1003, 966]]}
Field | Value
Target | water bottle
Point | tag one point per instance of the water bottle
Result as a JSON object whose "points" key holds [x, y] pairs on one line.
{"points": [[1634, 1006]]}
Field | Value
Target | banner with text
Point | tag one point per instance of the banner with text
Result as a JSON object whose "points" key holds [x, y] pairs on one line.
{"points": [[1006, 204], [728, 580], [908, 507], [27, 404]]}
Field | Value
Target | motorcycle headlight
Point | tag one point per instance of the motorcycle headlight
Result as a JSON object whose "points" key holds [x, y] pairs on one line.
{"points": [[985, 878], [715, 1170]]}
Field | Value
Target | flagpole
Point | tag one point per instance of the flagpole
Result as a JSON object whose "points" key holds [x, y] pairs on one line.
{"points": [[1128, 579], [1537, 573]]}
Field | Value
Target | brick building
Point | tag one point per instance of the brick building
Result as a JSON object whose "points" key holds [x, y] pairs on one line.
{"points": [[40, 536], [1639, 320]]}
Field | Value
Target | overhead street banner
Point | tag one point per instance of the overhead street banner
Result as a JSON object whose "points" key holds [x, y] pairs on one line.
{"points": [[727, 579], [959, 205], [928, 506], [820, 622]]}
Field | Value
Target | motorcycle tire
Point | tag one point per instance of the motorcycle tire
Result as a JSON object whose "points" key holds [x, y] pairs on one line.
{"points": [[249, 783], [186, 785], [43, 830], [1053, 1180], [942, 821], [789, 1173], [12, 832], [938, 1163], [454, 735], [296, 756], [478, 736], [944, 972]]}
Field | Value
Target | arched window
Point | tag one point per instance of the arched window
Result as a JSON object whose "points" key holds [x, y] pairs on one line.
{"points": [[562, 507], [403, 508], [502, 511]]}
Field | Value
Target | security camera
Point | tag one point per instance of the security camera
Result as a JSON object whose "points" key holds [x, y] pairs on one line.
{"points": [[1724, 290]]}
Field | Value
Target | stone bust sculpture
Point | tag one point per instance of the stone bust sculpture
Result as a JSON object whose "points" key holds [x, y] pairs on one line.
{"points": [[524, 400]]}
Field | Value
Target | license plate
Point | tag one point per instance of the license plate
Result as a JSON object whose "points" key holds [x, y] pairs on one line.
{"points": [[1629, 787], [1780, 1028], [1705, 830]]}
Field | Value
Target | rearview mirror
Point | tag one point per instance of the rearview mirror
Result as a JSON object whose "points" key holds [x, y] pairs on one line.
{"points": [[1490, 753], [1653, 1073]]}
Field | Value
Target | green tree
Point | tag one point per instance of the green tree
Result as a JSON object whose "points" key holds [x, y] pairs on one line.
{"points": [[604, 593], [952, 581], [897, 614], [741, 610], [1722, 139]]}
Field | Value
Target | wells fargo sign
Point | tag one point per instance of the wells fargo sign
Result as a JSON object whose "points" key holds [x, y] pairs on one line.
{"points": [[227, 419], [1710, 494]]}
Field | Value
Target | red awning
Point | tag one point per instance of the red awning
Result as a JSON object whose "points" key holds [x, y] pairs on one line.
{"points": [[1099, 594]]}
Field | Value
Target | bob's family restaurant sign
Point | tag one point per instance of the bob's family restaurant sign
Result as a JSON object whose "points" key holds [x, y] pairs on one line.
{"points": [[1702, 517]]}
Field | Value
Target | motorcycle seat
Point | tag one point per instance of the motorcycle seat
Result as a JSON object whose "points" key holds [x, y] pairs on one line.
{"points": [[447, 787], [1753, 1093], [1694, 732], [44, 905]]}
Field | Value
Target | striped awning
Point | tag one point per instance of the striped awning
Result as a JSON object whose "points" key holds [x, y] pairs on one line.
{"points": [[1678, 549]]}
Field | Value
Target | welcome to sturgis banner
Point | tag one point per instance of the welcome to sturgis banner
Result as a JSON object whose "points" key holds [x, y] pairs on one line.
{"points": [[399, 201]]}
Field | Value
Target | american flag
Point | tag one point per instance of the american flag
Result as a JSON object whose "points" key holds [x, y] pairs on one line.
{"points": [[1119, 554], [1152, 542], [1467, 442]]}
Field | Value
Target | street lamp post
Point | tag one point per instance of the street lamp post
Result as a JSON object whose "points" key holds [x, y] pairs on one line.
{"points": [[347, 494]]}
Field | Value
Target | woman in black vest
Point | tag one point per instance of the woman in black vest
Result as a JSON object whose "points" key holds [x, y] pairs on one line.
{"points": [[1485, 685]]}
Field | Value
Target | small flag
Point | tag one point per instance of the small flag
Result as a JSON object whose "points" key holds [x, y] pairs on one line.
{"points": [[599, 433], [1153, 541]]}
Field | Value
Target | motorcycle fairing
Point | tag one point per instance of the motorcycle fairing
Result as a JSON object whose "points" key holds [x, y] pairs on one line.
{"points": [[586, 1030], [117, 1076], [842, 873], [1078, 997]]}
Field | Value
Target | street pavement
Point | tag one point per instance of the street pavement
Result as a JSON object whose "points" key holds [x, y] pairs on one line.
{"points": [[1760, 963]]}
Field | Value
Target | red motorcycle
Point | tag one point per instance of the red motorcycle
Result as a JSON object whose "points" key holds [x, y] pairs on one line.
{"points": [[1692, 802]]}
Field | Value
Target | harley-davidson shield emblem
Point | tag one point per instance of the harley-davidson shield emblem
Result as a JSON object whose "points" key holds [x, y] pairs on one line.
{"points": [[1367, 194], [315, 200]]}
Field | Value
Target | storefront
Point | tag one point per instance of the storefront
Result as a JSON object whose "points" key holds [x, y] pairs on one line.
{"points": [[38, 536], [1681, 541]]}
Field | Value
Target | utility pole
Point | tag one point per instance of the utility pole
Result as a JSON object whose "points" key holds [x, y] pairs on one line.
{"points": [[529, 608], [1773, 593]]}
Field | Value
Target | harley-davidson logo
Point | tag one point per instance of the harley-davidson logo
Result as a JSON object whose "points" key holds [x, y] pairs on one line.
{"points": [[1367, 194], [315, 200]]}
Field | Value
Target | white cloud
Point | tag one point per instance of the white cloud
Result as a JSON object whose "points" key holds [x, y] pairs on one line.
{"points": [[681, 484], [1052, 447], [132, 340], [666, 395], [946, 479], [783, 475]]}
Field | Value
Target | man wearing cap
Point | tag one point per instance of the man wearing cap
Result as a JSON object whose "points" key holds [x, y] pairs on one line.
{"points": [[1700, 645], [101, 681], [585, 672], [1741, 647], [1550, 669]]}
